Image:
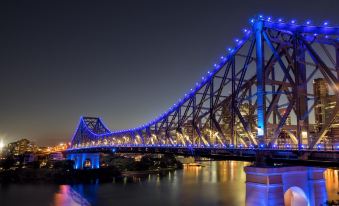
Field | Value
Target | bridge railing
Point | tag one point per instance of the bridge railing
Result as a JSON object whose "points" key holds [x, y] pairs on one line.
{"points": [[284, 147]]}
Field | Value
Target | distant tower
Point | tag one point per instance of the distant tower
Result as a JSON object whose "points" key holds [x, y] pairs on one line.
{"points": [[320, 89]]}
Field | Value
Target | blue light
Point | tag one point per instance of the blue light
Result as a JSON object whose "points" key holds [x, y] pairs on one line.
{"points": [[82, 125]]}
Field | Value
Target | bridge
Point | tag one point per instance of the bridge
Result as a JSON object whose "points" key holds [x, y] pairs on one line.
{"points": [[273, 95]]}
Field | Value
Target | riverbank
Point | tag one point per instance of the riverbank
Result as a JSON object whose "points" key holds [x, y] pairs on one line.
{"points": [[58, 176], [63, 172]]}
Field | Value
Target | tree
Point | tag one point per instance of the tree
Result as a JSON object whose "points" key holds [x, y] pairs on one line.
{"points": [[8, 162]]}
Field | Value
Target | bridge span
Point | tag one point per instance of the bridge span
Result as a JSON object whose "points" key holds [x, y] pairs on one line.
{"points": [[273, 95], [324, 158]]}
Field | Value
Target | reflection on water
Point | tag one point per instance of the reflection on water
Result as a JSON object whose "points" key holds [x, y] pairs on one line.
{"points": [[332, 184], [215, 183], [71, 195], [215, 172]]}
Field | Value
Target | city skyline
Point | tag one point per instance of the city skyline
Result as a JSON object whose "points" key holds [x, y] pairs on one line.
{"points": [[143, 62]]}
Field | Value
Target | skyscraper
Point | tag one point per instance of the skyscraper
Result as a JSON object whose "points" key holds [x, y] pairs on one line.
{"points": [[324, 104], [321, 95]]}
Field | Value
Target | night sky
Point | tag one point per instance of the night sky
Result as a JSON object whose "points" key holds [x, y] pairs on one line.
{"points": [[125, 61]]}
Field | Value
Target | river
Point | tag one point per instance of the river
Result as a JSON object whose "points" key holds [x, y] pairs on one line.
{"points": [[215, 183]]}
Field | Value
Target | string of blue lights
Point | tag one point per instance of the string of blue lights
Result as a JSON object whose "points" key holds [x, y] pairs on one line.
{"points": [[280, 24]]}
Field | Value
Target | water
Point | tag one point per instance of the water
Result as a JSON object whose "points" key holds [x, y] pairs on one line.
{"points": [[217, 183]]}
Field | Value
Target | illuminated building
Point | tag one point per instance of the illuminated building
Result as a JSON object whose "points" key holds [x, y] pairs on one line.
{"points": [[56, 156], [59, 147], [22, 146], [239, 133], [323, 108], [321, 96], [282, 112], [51, 149]]}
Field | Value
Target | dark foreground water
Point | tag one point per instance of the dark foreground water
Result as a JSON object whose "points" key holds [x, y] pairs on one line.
{"points": [[217, 183]]}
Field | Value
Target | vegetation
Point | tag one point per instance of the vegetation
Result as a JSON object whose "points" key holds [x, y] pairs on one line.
{"points": [[332, 203], [61, 171]]}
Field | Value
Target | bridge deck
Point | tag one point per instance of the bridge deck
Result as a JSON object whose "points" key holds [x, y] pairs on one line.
{"points": [[327, 158]]}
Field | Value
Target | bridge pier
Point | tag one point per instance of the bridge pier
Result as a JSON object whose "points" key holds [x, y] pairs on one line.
{"points": [[85, 160], [279, 186]]}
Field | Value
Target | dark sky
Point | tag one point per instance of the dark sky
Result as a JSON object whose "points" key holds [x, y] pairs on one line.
{"points": [[125, 61]]}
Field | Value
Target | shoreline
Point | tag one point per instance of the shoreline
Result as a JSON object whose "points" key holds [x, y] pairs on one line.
{"points": [[131, 173], [47, 176]]}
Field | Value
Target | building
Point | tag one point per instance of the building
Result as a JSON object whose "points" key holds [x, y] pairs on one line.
{"points": [[324, 104], [22, 146], [55, 156], [321, 96], [282, 112]]}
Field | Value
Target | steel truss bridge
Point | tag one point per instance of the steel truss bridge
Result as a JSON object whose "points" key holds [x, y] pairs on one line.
{"points": [[276, 89]]}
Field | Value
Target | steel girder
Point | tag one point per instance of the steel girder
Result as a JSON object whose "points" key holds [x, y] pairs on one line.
{"points": [[250, 96]]}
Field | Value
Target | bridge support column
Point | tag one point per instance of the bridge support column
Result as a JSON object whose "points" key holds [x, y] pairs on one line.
{"points": [[279, 186], [85, 160], [261, 106]]}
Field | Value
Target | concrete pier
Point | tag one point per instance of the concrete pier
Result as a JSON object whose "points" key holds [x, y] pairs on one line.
{"points": [[85, 160], [289, 186]]}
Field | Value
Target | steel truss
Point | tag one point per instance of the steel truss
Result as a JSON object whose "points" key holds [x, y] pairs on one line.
{"points": [[240, 103]]}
